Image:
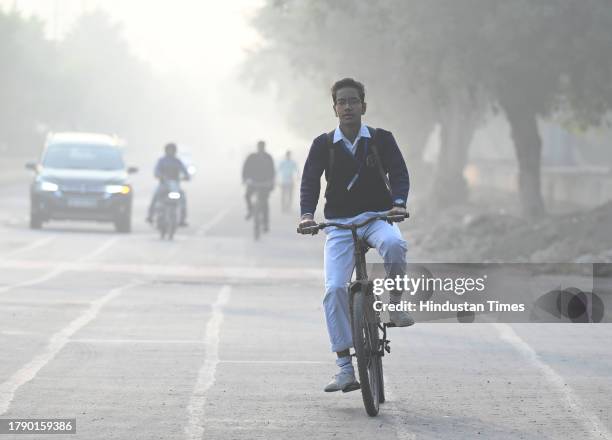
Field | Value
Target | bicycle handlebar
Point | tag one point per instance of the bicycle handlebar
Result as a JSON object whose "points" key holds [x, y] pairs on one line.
{"points": [[323, 225]]}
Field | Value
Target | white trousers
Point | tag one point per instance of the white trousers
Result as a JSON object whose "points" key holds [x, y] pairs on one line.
{"points": [[339, 265]]}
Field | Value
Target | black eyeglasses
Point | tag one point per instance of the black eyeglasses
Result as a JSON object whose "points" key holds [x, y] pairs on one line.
{"points": [[342, 102]]}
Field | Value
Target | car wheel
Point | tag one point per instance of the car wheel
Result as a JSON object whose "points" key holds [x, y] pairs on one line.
{"points": [[124, 224], [35, 221]]}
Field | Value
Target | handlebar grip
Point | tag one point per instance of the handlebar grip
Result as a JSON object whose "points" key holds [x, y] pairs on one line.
{"points": [[397, 218], [309, 230]]}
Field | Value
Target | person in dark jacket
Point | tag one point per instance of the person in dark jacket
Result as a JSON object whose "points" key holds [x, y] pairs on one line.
{"points": [[358, 188], [169, 167], [258, 175]]}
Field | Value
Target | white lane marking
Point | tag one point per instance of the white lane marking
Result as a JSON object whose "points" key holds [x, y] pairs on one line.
{"points": [[51, 274], [203, 230], [17, 333], [9, 301], [137, 341], [29, 247], [249, 362], [187, 271], [591, 422], [62, 267], [56, 343], [99, 251], [206, 376]]}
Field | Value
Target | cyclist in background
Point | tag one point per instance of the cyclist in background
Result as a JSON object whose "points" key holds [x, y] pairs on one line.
{"points": [[258, 175]]}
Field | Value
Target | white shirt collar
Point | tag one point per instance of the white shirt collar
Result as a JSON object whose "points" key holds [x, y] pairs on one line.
{"points": [[363, 133]]}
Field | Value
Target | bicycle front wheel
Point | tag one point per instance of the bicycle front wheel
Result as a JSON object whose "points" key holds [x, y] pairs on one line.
{"points": [[366, 343], [381, 380]]}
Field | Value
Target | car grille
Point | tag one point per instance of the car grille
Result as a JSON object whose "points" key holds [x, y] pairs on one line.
{"points": [[82, 188]]}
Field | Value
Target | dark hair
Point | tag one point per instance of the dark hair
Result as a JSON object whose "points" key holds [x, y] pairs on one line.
{"points": [[170, 148], [348, 82]]}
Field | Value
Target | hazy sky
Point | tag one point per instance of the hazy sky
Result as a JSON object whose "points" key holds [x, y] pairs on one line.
{"points": [[201, 41], [178, 35]]}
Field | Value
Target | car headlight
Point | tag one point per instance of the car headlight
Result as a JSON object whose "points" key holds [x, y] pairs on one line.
{"points": [[117, 189], [48, 186]]}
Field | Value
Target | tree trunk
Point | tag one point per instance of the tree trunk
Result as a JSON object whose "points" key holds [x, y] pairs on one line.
{"points": [[458, 123], [412, 145], [528, 147]]}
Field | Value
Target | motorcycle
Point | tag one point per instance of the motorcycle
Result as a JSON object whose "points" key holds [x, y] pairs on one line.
{"points": [[168, 208]]}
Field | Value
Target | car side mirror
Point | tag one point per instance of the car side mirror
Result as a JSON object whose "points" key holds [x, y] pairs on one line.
{"points": [[132, 170], [31, 166]]}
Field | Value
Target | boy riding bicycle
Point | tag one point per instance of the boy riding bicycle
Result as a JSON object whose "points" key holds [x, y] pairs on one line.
{"points": [[356, 160]]}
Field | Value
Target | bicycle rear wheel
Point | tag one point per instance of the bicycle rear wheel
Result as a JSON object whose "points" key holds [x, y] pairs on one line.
{"points": [[257, 221], [256, 225], [366, 343]]}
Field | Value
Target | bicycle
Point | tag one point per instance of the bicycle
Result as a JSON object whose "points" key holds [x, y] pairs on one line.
{"points": [[369, 335], [260, 208]]}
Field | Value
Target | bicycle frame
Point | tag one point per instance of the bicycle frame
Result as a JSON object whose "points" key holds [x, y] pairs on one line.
{"points": [[361, 278]]}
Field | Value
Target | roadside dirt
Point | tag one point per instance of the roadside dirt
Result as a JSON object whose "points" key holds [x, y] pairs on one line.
{"points": [[491, 230]]}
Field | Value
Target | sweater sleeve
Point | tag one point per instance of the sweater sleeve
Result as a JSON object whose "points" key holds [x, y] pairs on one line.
{"points": [[310, 188], [396, 167]]}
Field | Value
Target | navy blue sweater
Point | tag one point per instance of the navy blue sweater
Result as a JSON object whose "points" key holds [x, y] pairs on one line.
{"points": [[369, 192]]}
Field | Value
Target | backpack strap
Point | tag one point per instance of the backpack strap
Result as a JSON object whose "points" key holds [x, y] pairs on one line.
{"points": [[331, 153], [381, 171]]}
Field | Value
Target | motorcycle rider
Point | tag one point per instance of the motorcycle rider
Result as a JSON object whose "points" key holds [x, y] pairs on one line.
{"points": [[169, 167], [258, 175]]}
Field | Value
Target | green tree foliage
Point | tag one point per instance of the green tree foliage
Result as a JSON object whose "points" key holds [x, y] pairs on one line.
{"points": [[27, 61], [450, 61], [323, 41]]}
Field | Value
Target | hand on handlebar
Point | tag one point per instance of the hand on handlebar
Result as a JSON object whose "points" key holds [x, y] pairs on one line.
{"points": [[397, 214], [307, 225]]}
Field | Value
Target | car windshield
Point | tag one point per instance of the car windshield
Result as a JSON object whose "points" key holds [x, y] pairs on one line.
{"points": [[83, 157]]}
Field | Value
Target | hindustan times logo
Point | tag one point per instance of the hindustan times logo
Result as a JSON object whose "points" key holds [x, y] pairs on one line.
{"points": [[414, 285]]}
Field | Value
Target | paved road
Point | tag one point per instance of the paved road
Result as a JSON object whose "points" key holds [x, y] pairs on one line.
{"points": [[215, 337]]}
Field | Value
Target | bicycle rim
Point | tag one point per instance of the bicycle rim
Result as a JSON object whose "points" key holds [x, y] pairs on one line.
{"points": [[365, 341]]}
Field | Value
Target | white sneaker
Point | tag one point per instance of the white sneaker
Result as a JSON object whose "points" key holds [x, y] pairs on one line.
{"points": [[343, 381], [401, 318]]}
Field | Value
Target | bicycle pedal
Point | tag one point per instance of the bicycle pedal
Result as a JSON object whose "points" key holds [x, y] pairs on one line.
{"points": [[352, 387]]}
